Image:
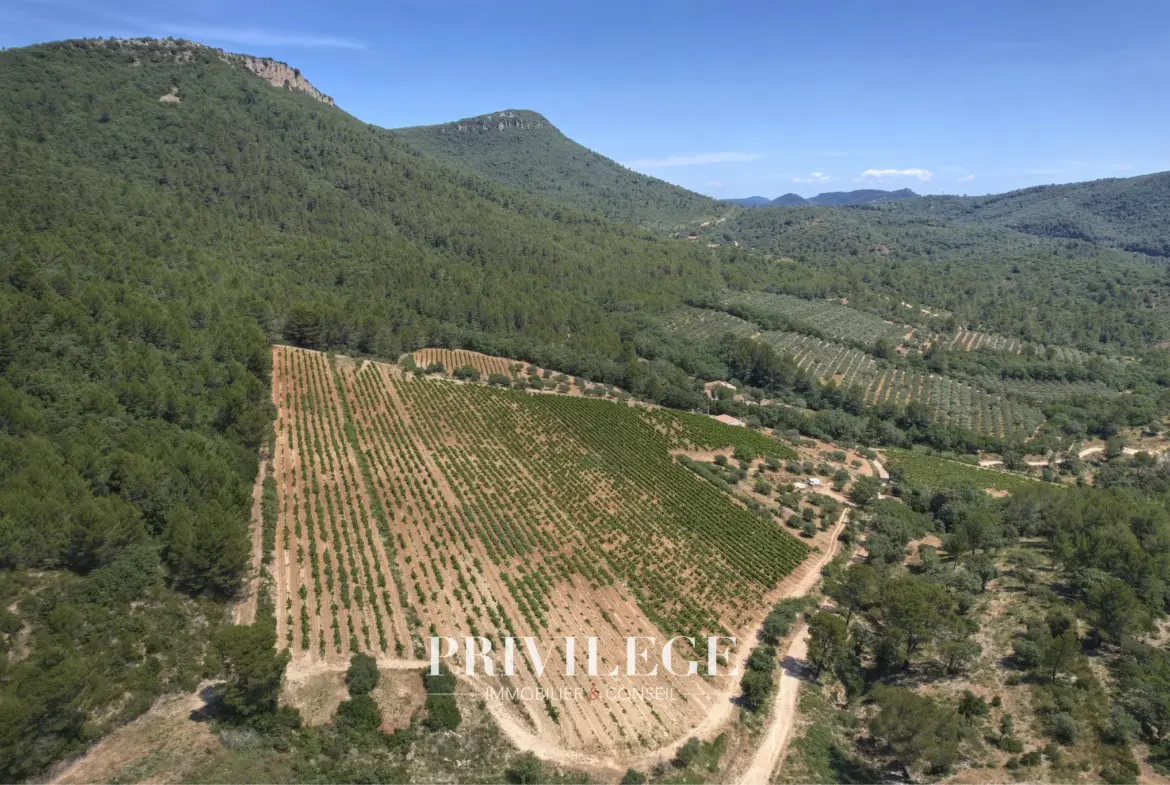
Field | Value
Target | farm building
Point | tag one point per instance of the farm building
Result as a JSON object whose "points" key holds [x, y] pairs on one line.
{"points": [[727, 419]]}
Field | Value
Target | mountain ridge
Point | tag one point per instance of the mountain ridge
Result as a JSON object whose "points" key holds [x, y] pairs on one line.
{"points": [[522, 149], [828, 199]]}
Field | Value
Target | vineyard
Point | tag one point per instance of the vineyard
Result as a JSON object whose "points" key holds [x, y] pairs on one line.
{"points": [[829, 318], [502, 369], [451, 359], [412, 506], [704, 324], [950, 401], [971, 340], [934, 472]]}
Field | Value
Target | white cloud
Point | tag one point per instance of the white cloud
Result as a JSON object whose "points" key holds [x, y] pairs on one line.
{"points": [[966, 178], [692, 159], [813, 177], [925, 175]]}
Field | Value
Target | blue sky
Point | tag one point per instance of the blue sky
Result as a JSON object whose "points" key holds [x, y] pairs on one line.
{"points": [[728, 98]]}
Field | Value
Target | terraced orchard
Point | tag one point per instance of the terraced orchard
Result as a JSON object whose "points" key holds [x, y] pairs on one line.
{"points": [[950, 401], [526, 374], [451, 359], [706, 324], [412, 507], [829, 318]]}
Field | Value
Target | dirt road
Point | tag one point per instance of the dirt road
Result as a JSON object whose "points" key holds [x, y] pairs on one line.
{"points": [[783, 716], [1095, 450]]}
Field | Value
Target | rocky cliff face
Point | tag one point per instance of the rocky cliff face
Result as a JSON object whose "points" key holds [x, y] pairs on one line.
{"points": [[277, 74], [274, 72]]}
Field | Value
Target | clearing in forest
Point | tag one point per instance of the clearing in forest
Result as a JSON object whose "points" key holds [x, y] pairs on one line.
{"points": [[412, 506]]}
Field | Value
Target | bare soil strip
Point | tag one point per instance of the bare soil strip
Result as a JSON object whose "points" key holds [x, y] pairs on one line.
{"points": [[244, 611]]}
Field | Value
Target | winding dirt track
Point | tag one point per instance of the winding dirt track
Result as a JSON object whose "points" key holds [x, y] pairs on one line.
{"points": [[783, 713], [779, 730]]}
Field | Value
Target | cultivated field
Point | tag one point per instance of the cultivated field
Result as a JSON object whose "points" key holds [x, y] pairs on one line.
{"points": [[971, 340], [415, 506], [458, 358], [950, 401], [829, 318], [933, 472], [704, 324]]}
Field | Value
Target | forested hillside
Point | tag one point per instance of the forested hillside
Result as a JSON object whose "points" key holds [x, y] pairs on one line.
{"points": [[1132, 214], [522, 149], [1048, 290], [152, 250]]}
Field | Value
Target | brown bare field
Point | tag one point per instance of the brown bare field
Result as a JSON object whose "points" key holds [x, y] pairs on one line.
{"points": [[415, 507]]}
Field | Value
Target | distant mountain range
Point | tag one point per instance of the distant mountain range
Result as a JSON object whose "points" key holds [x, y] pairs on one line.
{"points": [[831, 199]]}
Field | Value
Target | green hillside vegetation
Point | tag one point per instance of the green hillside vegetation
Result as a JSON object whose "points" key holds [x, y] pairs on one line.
{"points": [[151, 253], [523, 150], [1132, 214], [1044, 290]]}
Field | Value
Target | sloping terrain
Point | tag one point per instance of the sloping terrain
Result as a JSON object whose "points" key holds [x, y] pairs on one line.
{"points": [[522, 149], [1041, 289], [1132, 214], [411, 505], [151, 251]]}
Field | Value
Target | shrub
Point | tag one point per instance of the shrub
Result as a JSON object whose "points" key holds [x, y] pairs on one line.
{"points": [[688, 752], [971, 706], [1062, 727], [498, 380], [633, 777], [442, 711], [1030, 758], [362, 675], [524, 769], [1025, 654], [468, 372], [1011, 744], [359, 713]]}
